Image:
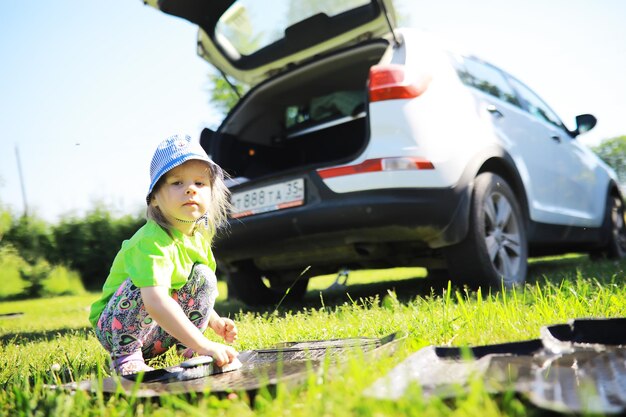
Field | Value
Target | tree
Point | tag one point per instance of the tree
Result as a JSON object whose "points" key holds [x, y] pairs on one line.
{"points": [[222, 95], [613, 152], [34, 275], [5, 222], [31, 237]]}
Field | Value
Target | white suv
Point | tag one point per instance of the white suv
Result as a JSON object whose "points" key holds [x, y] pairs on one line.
{"points": [[363, 146]]}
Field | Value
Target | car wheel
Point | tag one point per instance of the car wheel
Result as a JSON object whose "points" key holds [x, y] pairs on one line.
{"points": [[293, 281], [438, 277], [245, 282], [495, 250], [615, 230]]}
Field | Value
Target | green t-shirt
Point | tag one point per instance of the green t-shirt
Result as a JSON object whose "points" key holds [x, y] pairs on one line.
{"points": [[152, 258]]}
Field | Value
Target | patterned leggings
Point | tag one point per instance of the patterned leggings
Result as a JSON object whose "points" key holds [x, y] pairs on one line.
{"points": [[125, 328]]}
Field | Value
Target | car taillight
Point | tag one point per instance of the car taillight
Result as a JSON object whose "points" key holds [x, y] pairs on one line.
{"points": [[376, 165], [390, 81]]}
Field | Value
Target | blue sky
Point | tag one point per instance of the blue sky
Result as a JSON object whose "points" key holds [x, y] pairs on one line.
{"points": [[88, 89]]}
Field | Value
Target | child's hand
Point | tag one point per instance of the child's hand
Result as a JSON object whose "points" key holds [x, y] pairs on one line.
{"points": [[221, 354], [224, 327]]}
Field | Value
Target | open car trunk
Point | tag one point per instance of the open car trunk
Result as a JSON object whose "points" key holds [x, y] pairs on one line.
{"points": [[311, 116]]}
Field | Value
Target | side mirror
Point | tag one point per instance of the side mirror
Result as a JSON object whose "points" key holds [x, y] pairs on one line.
{"points": [[584, 123]]}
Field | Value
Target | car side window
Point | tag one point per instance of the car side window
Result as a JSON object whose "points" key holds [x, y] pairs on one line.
{"points": [[488, 79], [535, 105]]}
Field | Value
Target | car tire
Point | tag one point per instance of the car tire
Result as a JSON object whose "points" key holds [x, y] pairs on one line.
{"points": [[245, 282], [438, 277], [614, 228], [495, 251], [293, 280]]}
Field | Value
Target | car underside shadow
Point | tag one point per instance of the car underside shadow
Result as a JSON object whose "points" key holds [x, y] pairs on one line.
{"points": [[540, 271], [404, 289]]}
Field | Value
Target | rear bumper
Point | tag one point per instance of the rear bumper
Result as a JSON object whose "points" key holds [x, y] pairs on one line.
{"points": [[335, 228]]}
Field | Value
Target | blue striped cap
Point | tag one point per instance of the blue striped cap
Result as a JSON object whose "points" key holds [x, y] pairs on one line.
{"points": [[172, 152]]}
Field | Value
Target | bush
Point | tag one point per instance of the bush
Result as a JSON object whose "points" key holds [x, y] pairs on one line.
{"points": [[20, 279], [62, 281], [11, 263], [85, 245], [89, 245], [5, 221]]}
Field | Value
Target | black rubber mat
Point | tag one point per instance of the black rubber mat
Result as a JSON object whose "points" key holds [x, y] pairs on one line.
{"points": [[289, 363], [577, 367]]}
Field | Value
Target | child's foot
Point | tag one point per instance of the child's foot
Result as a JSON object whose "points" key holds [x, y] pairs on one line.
{"points": [[130, 364], [132, 367]]}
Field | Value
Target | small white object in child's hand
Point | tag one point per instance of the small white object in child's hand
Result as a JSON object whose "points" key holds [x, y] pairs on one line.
{"points": [[197, 361], [202, 366]]}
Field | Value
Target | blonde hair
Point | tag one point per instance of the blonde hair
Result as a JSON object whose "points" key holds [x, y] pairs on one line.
{"points": [[217, 214]]}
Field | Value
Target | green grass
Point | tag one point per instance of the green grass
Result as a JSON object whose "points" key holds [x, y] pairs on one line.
{"points": [[54, 333]]}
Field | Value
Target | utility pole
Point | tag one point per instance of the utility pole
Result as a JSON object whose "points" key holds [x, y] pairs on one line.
{"points": [[19, 170]]}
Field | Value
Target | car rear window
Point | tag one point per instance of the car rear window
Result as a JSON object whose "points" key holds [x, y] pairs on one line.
{"points": [[249, 26]]}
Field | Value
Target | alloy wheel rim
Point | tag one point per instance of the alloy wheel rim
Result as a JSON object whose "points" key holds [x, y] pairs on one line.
{"points": [[619, 229], [503, 237]]}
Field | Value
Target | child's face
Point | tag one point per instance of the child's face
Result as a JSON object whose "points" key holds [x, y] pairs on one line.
{"points": [[185, 194]]}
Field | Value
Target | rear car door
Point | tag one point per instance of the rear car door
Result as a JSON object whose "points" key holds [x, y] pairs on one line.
{"points": [[519, 133], [575, 184], [253, 40]]}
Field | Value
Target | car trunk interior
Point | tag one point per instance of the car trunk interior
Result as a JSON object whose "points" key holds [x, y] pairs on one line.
{"points": [[313, 115]]}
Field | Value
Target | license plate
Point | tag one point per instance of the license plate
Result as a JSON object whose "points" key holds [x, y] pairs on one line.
{"points": [[269, 198]]}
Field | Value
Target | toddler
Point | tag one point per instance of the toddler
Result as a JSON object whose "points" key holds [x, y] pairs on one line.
{"points": [[161, 289]]}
